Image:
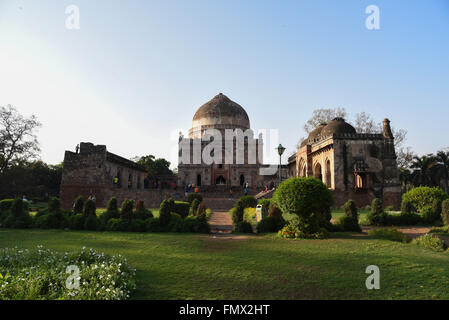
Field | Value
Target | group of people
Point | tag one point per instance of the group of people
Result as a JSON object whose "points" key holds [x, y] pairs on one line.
{"points": [[190, 187]]}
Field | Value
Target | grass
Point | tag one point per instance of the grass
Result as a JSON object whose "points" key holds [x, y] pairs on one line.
{"points": [[189, 266]]}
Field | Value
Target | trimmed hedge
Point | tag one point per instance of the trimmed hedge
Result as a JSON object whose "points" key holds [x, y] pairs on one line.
{"points": [[182, 208], [424, 197]]}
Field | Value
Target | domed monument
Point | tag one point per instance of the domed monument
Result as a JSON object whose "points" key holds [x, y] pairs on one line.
{"points": [[356, 166], [231, 158]]}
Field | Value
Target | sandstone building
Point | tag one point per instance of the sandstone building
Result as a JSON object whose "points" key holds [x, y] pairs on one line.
{"points": [[97, 172], [353, 165]]}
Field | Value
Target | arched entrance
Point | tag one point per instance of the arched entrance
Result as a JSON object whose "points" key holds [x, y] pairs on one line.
{"points": [[220, 181], [242, 180], [328, 174], [317, 172], [198, 180]]}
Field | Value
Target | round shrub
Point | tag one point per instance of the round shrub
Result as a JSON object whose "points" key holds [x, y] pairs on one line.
{"points": [[90, 208], [143, 214], [431, 242], [126, 212], [117, 225], [429, 215], [152, 225], [308, 198], [423, 197], [351, 210], [112, 205], [270, 224], [348, 223], [78, 206], [406, 206], [176, 222], [445, 211], [243, 227]]}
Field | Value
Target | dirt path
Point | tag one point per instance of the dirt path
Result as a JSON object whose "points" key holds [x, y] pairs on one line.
{"points": [[410, 231]]}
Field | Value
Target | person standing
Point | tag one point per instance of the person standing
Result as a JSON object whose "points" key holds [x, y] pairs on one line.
{"points": [[230, 194], [186, 192]]}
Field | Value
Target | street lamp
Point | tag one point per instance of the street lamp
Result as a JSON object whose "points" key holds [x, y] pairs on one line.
{"points": [[281, 150]]}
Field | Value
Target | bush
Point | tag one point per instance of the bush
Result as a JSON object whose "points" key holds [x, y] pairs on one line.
{"points": [[6, 204], [194, 207], [143, 214], [152, 225], [117, 225], [78, 206], [392, 234], [112, 205], [243, 227], [424, 197], [406, 206], [192, 196], [445, 211], [90, 208], [201, 211], [265, 203], [138, 225], [166, 208], [308, 198], [175, 224], [76, 221], [248, 202], [18, 216], [126, 213], [429, 215], [50, 221], [274, 212], [91, 223], [54, 205], [404, 219], [348, 223], [430, 241], [292, 231], [182, 208], [40, 274], [270, 224], [237, 213], [377, 216]]}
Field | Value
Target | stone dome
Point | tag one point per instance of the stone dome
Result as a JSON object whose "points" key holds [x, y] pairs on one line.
{"points": [[220, 113], [337, 126]]}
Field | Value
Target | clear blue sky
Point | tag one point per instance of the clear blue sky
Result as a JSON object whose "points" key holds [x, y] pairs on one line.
{"points": [[136, 71]]}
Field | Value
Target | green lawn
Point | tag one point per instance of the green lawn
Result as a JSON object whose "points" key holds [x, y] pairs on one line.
{"points": [[190, 266]]}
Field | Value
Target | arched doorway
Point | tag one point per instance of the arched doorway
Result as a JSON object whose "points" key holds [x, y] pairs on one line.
{"points": [[242, 180], [220, 181], [317, 172], [198, 180], [328, 174]]}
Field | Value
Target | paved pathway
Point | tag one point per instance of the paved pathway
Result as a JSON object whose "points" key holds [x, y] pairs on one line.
{"points": [[220, 221]]}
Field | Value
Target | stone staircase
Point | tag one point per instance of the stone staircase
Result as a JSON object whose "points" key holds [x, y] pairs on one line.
{"points": [[219, 204], [221, 222]]}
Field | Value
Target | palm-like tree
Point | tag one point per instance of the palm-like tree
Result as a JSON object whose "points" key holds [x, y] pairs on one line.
{"points": [[406, 177], [425, 170], [443, 164]]}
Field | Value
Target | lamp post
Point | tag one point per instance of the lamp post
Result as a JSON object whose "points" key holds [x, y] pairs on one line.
{"points": [[281, 150]]}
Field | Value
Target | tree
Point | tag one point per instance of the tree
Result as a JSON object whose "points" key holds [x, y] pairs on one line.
{"points": [[323, 116], [18, 143], [155, 167], [443, 168], [425, 169]]}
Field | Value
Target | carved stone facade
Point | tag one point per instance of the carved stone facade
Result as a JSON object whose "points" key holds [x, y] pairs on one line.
{"points": [[96, 172], [353, 165], [221, 114]]}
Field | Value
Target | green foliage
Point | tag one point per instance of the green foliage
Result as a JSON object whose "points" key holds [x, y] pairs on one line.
{"points": [[6, 204], [274, 212], [54, 205], [143, 214], [138, 225], [152, 225], [40, 274], [348, 223], [166, 208], [91, 223], [392, 234], [182, 208], [265, 203], [117, 225], [78, 206], [112, 205], [351, 210], [430, 241], [429, 215], [90, 208], [445, 211], [54, 220], [377, 216], [76, 221], [308, 198], [237, 213], [404, 219], [406, 206], [17, 216], [192, 196], [424, 197], [155, 167], [201, 211], [126, 212], [243, 227], [248, 201], [292, 231], [194, 207], [270, 224]]}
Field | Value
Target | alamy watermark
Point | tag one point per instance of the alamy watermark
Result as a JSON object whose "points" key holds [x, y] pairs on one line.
{"points": [[372, 22], [373, 281], [72, 21]]}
